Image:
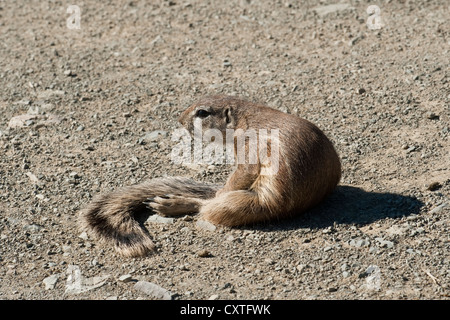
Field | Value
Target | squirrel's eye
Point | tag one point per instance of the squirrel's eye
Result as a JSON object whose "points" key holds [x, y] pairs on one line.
{"points": [[202, 113]]}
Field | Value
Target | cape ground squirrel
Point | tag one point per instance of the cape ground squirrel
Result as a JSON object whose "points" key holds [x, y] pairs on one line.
{"points": [[308, 169]]}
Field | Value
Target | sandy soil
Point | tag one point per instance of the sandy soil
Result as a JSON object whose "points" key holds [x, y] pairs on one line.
{"points": [[77, 107]]}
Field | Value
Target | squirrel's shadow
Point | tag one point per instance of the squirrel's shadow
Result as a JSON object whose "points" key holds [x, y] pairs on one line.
{"points": [[353, 206]]}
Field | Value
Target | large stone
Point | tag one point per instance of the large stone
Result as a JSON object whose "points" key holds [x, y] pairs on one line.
{"points": [[324, 10], [153, 290]]}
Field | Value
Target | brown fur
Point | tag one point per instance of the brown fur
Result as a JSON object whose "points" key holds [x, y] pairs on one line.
{"points": [[309, 169]]}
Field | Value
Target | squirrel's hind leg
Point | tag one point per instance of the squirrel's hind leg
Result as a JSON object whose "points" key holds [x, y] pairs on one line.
{"points": [[171, 205]]}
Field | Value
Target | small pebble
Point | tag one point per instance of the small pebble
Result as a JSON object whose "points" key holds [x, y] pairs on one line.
{"points": [[358, 243], [50, 281], [432, 116], [83, 235], [434, 186], [230, 238], [384, 243], [301, 267], [439, 208], [125, 278], [158, 219], [69, 73], [204, 254], [410, 149], [205, 225]]}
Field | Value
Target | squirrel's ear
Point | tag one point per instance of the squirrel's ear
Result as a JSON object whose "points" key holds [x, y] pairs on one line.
{"points": [[228, 117]]}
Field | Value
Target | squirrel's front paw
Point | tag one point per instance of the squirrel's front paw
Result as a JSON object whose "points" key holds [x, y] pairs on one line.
{"points": [[172, 205]]}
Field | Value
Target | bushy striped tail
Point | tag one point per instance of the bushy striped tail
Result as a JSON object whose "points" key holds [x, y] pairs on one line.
{"points": [[117, 218]]}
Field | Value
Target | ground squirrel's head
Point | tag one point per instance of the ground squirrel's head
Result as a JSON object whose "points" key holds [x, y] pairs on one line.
{"points": [[213, 112]]}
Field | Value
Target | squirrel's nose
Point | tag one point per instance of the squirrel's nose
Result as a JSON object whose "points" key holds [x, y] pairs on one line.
{"points": [[181, 119]]}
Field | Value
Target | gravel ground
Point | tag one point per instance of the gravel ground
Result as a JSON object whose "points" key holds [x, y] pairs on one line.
{"points": [[80, 111]]}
